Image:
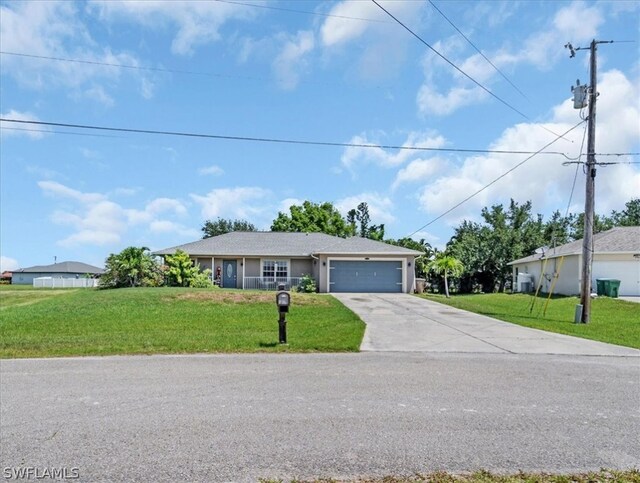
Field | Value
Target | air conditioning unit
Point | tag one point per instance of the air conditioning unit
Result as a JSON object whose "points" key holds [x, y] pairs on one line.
{"points": [[525, 283]]}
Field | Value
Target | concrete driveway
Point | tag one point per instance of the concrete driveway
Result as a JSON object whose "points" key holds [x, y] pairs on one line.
{"points": [[405, 323]]}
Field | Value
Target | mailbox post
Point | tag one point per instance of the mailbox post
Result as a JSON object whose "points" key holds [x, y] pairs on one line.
{"points": [[283, 300]]}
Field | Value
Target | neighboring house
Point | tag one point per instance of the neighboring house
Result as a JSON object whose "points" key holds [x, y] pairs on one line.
{"points": [[616, 254], [6, 276], [25, 276], [261, 260]]}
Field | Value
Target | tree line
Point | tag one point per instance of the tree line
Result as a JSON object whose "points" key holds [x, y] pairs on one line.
{"points": [[474, 259]]}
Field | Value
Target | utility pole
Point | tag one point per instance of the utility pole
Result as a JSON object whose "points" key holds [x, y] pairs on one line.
{"points": [[589, 199]]}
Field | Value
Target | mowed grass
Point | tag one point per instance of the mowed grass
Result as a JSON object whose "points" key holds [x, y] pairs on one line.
{"points": [[79, 322], [602, 476], [612, 320]]}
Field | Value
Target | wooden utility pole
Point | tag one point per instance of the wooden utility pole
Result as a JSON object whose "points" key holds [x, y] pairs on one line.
{"points": [[589, 201]]}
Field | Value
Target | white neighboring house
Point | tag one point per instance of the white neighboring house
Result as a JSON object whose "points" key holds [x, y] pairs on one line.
{"points": [[66, 270], [616, 254]]}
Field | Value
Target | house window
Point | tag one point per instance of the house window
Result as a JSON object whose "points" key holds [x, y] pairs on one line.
{"points": [[272, 269]]}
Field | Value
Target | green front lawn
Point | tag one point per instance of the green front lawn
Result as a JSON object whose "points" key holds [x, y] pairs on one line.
{"points": [[51, 323], [612, 320]]}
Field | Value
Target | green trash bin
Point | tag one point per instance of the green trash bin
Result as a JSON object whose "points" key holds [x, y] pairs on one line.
{"points": [[600, 286], [613, 288]]}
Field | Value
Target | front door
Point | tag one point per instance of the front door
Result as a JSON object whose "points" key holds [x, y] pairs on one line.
{"points": [[229, 274]]}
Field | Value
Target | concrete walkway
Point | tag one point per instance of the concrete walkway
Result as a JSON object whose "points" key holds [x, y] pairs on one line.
{"points": [[405, 323]]}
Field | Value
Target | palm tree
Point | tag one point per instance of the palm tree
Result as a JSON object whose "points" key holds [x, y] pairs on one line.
{"points": [[446, 265]]}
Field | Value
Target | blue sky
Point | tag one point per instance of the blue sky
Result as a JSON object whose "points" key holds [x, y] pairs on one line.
{"points": [[340, 71]]}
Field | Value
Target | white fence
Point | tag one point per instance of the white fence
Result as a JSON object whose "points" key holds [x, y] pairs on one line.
{"points": [[263, 283], [50, 282]]}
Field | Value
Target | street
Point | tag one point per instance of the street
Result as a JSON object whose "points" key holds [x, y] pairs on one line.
{"points": [[244, 417]]}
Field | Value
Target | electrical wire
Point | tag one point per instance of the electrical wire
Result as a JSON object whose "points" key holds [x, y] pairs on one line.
{"points": [[575, 176], [494, 181], [424, 42], [158, 69], [486, 89], [307, 12], [478, 50], [46, 131], [287, 141], [271, 140]]}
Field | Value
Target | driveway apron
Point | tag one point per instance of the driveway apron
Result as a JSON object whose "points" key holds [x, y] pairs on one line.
{"points": [[405, 323]]}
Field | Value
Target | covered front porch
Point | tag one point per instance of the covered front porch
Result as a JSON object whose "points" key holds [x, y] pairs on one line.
{"points": [[258, 273]]}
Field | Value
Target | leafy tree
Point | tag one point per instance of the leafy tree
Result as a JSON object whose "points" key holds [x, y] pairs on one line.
{"points": [[361, 216], [600, 223], [557, 231], [421, 261], [222, 226], [132, 267], [181, 272], [313, 218], [446, 266], [630, 216]]}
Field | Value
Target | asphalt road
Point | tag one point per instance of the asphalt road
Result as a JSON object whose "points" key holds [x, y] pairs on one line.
{"points": [[244, 417]]}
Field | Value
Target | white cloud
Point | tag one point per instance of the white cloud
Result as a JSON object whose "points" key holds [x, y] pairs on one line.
{"points": [[8, 264], [213, 170], [241, 202], [380, 207], [34, 131], [418, 170], [433, 102], [95, 220], [543, 179], [160, 205], [354, 156], [445, 90], [336, 30], [291, 62], [57, 189], [576, 23], [288, 203], [197, 23], [56, 29]]}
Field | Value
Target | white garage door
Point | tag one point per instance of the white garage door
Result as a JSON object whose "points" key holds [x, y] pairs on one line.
{"points": [[627, 272]]}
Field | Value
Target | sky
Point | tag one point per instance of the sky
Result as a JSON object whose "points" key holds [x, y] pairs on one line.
{"points": [[340, 72]]}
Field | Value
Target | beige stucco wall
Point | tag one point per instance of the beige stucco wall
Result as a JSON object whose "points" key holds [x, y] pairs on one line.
{"points": [[570, 272], [300, 267]]}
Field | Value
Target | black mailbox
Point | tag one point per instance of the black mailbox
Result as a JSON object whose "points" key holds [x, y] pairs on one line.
{"points": [[283, 299]]}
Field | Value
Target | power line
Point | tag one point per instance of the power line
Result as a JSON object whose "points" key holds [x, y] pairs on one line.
{"points": [[46, 131], [486, 89], [424, 42], [281, 141], [126, 66], [156, 69], [272, 140], [307, 12], [495, 180], [575, 176], [478, 50]]}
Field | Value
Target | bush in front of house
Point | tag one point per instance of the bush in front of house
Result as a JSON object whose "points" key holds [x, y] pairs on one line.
{"points": [[307, 284]]}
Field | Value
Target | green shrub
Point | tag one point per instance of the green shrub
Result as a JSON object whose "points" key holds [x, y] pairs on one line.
{"points": [[307, 284]]}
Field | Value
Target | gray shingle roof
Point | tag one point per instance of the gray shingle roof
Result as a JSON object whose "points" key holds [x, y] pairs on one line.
{"points": [[260, 243], [62, 267], [622, 239]]}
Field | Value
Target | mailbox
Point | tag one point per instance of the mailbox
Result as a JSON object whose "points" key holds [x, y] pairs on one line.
{"points": [[283, 300]]}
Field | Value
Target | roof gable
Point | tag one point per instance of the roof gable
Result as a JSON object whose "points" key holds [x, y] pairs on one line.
{"points": [[283, 244], [62, 267], [621, 239]]}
